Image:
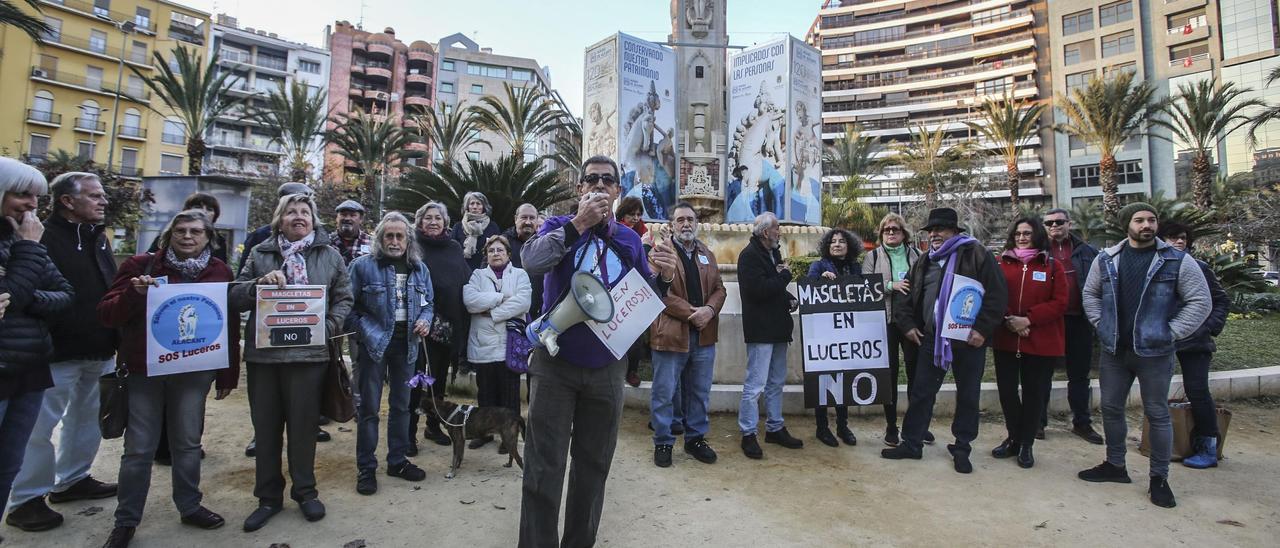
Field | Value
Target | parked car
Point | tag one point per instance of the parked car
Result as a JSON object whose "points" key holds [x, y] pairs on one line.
{"points": [[1272, 277]]}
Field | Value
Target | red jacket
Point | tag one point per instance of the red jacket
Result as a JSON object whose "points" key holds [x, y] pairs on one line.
{"points": [[124, 309], [1037, 290]]}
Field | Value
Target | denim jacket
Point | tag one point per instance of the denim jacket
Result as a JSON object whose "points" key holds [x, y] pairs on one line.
{"points": [[372, 316], [1175, 301]]}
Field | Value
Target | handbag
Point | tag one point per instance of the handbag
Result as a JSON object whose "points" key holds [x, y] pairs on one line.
{"points": [[440, 331], [1183, 422], [518, 346], [113, 403], [336, 399]]}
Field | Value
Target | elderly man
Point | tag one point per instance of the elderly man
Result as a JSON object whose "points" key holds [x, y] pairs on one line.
{"points": [[350, 239], [83, 350], [524, 229], [766, 325], [684, 339], [1142, 296], [920, 315], [576, 399], [391, 314], [1075, 255]]}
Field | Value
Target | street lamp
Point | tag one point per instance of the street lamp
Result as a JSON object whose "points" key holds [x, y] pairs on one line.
{"points": [[126, 28]]}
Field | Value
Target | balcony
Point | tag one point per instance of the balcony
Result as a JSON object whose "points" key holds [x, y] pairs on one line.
{"points": [[419, 101], [235, 56], [1198, 60], [418, 79], [359, 45], [84, 83], [43, 118], [1196, 29], [130, 172], [937, 32], [91, 125], [1177, 6], [173, 138], [272, 63], [100, 49], [256, 144], [839, 88], [421, 55], [1012, 42], [376, 48], [955, 99], [375, 71], [89, 9], [131, 132], [911, 16]]}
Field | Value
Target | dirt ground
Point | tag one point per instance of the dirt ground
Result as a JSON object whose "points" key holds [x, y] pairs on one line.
{"points": [[817, 496]]}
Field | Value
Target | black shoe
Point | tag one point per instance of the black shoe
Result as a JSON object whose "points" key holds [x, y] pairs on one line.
{"points": [[34, 515], [1105, 472], [321, 435], [479, 442], [846, 436], [312, 509], [119, 537], [699, 449], [662, 456], [251, 450], [406, 471], [961, 460], [928, 438], [783, 438], [204, 519], [367, 482], [891, 436], [900, 452], [260, 517], [1040, 433], [85, 489], [1006, 449], [1161, 494], [823, 435], [1025, 457], [440, 438], [751, 447], [412, 451], [1087, 433]]}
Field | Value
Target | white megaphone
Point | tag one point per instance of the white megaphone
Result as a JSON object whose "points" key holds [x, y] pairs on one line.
{"points": [[588, 299]]}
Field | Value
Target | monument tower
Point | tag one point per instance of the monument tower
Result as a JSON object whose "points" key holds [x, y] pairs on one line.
{"points": [[700, 39]]}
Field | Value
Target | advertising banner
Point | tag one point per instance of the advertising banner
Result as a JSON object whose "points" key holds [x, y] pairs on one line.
{"points": [[600, 94], [186, 328], [844, 341], [805, 114]]}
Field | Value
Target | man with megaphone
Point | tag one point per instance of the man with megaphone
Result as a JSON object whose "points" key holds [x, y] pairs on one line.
{"points": [[575, 400]]}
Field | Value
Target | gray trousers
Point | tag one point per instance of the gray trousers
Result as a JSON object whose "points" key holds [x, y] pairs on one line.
{"points": [[285, 398], [177, 402], [1116, 375], [572, 411]]}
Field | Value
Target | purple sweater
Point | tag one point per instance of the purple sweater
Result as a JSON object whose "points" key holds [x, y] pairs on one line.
{"points": [[555, 252]]}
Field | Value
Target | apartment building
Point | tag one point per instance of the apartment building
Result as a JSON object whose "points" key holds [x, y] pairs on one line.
{"points": [[892, 67], [76, 91], [259, 62]]}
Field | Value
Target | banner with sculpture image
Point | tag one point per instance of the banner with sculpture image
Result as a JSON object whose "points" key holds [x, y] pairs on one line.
{"points": [[844, 341], [187, 328], [805, 173]]}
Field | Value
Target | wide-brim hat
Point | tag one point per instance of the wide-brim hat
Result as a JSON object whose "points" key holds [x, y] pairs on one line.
{"points": [[943, 217]]}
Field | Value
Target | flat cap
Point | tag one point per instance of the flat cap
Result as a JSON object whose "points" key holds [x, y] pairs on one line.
{"points": [[350, 205]]}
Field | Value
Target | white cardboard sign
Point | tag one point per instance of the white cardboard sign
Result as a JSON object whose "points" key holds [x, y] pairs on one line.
{"points": [[635, 306]]}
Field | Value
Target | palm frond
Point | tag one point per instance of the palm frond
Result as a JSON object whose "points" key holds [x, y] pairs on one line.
{"points": [[34, 26], [507, 182]]}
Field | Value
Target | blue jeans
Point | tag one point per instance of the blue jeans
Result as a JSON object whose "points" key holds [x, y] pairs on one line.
{"points": [[17, 417], [396, 370], [688, 370], [73, 403], [766, 373]]}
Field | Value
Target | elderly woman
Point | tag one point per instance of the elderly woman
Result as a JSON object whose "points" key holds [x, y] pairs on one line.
{"points": [[185, 256], [839, 249], [207, 203], [475, 228], [892, 259], [285, 383], [495, 294], [36, 292], [446, 341]]}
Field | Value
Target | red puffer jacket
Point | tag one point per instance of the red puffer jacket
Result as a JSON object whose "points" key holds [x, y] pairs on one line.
{"points": [[1037, 290]]}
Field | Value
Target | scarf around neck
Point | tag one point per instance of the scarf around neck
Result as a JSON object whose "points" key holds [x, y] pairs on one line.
{"points": [[1025, 254], [295, 265], [942, 356], [189, 268], [473, 225]]}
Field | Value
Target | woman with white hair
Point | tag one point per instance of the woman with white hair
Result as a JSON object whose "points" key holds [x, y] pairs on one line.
{"points": [[475, 228], [36, 292], [285, 383]]}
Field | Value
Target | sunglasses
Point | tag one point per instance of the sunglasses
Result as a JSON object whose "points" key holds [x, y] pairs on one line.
{"points": [[1056, 222], [595, 178], [891, 230]]}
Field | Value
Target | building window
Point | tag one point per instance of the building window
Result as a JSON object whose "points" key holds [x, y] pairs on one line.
{"points": [[93, 77], [101, 8], [128, 158], [1078, 80], [170, 164], [1185, 22], [186, 28], [1246, 27], [84, 150], [991, 87], [138, 53], [1132, 144], [42, 105], [142, 18], [477, 89], [39, 147], [1116, 70], [310, 67], [1189, 53], [1117, 12], [698, 71], [1127, 173], [55, 29], [1077, 22], [488, 71], [1079, 148], [527, 75], [473, 155], [1117, 44], [132, 120], [446, 65], [1078, 52], [97, 41], [133, 86], [446, 87], [174, 132], [1084, 176]]}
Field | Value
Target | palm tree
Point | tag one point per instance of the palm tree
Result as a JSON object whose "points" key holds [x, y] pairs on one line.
{"points": [[1200, 222], [449, 132], [525, 114], [196, 93], [851, 157], [931, 162], [375, 144], [1009, 125], [508, 182], [296, 118], [1201, 115], [1104, 114], [568, 155], [35, 27]]}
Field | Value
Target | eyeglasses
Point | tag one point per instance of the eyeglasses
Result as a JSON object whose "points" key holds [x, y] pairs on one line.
{"points": [[596, 177], [891, 230], [1022, 234], [1056, 222], [188, 232]]}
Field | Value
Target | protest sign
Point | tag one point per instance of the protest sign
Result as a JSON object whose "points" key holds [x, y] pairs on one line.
{"points": [[635, 306], [290, 316], [186, 328], [844, 341], [962, 308]]}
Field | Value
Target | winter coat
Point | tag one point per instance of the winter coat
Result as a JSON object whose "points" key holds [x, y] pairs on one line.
{"points": [[373, 313], [1202, 339], [766, 302], [670, 331], [1038, 291], [491, 303], [877, 262], [820, 266], [535, 280], [37, 293], [124, 309], [81, 253], [324, 267], [259, 235], [449, 272], [477, 259], [975, 262]]}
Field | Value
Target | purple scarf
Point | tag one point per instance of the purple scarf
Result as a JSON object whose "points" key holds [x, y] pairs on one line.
{"points": [[942, 345]]}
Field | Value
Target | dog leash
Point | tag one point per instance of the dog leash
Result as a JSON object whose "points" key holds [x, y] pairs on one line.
{"points": [[431, 394]]}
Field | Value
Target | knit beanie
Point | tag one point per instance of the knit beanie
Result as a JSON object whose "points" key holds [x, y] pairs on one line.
{"points": [[1127, 212]]}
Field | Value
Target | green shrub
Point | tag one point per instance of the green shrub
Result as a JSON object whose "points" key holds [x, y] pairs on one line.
{"points": [[1252, 303], [799, 266]]}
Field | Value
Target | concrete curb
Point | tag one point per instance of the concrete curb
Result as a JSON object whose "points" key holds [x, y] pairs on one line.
{"points": [[1225, 385]]}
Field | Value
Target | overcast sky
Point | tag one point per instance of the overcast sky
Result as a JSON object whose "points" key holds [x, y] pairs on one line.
{"points": [[554, 32]]}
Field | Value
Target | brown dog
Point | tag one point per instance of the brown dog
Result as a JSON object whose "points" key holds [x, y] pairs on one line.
{"points": [[480, 422]]}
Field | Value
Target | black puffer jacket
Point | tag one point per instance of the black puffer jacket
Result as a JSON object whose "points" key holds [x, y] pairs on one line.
{"points": [[1202, 339], [38, 292], [449, 272]]}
